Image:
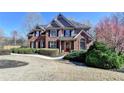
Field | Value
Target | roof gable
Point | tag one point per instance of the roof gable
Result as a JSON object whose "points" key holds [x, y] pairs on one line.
{"points": [[54, 24], [64, 21], [84, 34]]}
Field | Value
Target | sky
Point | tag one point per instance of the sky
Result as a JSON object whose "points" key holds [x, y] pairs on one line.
{"points": [[10, 21]]}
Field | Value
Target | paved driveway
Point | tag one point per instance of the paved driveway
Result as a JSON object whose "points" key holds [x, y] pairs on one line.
{"points": [[41, 69]]}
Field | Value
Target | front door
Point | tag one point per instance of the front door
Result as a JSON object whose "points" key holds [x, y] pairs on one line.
{"points": [[67, 46]]}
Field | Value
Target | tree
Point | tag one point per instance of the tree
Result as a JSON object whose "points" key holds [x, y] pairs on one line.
{"points": [[87, 25], [14, 36], [2, 37], [111, 31], [1, 34], [31, 20]]}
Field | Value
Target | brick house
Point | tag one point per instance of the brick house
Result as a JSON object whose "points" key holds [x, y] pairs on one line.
{"points": [[61, 33]]}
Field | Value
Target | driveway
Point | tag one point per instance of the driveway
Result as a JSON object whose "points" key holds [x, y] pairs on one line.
{"points": [[42, 69]]}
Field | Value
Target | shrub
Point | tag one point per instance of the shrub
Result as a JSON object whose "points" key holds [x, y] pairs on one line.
{"points": [[122, 58], [23, 50], [76, 56], [24, 46], [5, 52], [48, 52], [102, 57], [42, 51], [98, 55], [99, 46]]}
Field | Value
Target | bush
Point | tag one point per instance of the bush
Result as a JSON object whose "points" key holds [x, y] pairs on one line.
{"points": [[42, 51], [76, 56], [48, 52], [5, 52], [103, 57], [23, 50], [98, 55], [100, 59], [99, 46]]}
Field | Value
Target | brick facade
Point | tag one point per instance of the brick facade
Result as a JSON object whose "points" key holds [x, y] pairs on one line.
{"points": [[64, 43]]}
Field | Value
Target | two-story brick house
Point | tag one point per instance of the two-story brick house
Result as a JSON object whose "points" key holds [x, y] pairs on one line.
{"points": [[61, 33]]}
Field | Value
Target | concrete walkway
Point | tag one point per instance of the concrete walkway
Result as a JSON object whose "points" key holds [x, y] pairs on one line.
{"points": [[40, 56]]}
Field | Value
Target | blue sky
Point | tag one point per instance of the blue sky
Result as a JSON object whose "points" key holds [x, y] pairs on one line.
{"points": [[10, 21]]}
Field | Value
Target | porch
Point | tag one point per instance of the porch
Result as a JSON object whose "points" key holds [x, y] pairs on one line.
{"points": [[66, 46]]}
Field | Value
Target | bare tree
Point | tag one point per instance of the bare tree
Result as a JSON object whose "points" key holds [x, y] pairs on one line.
{"points": [[2, 41], [31, 20], [1, 34], [14, 36]]}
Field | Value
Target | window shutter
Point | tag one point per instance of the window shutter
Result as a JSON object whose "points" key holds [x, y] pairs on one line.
{"points": [[64, 32], [43, 44], [70, 32], [39, 33], [49, 44], [49, 33], [57, 33]]}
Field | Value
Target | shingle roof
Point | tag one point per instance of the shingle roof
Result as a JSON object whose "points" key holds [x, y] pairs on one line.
{"points": [[61, 21], [76, 24]]}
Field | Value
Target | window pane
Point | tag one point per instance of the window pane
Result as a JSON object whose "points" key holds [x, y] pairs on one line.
{"points": [[53, 33], [82, 44], [53, 44], [67, 33], [32, 45], [41, 44]]}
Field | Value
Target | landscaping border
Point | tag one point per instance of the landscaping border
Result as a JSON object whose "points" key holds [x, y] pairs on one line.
{"points": [[40, 56]]}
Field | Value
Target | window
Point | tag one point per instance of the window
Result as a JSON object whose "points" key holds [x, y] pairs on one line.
{"points": [[32, 44], [73, 33], [82, 44], [67, 33], [41, 44], [53, 33], [52, 44], [37, 33]]}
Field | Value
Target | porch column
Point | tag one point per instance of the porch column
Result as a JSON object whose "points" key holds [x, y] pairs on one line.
{"points": [[70, 46], [64, 46], [36, 44], [60, 47], [46, 40]]}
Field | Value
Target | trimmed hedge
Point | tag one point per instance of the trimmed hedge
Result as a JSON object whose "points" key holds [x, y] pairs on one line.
{"points": [[48, 51], [23, 50], [4, 52], [42, 51]]}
